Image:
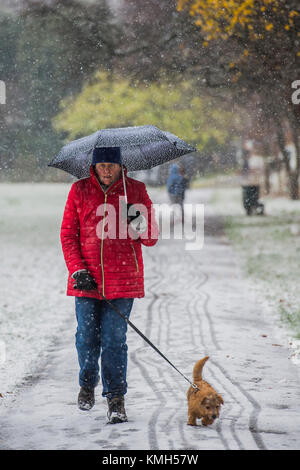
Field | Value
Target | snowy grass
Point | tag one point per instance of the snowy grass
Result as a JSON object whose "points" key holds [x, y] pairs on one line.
{"points": [[33, 304], [269, 248], [210, 180]]}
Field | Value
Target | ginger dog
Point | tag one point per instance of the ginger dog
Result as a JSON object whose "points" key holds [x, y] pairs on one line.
{"points": [[204, 403]]}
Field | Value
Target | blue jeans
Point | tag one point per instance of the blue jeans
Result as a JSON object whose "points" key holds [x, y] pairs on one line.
{"points": [[102, 332]]}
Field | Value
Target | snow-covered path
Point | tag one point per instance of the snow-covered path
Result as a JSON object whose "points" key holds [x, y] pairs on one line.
{"points": [[196, 304]]}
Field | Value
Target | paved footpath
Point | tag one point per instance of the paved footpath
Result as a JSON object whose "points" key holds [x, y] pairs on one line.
{"points": [[197, 304]]}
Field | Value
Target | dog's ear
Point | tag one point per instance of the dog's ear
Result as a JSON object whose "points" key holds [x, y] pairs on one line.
{"points": [[220, 399], [204, 401]]}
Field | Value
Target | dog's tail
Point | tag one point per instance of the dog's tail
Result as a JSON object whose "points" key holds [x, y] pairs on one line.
{"points": [[197, 371]]}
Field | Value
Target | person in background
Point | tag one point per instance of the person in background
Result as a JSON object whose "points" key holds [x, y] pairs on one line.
{"points": [[176, 186]]}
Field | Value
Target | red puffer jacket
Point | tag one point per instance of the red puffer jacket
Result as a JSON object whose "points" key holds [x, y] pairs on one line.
{"points": [[115, 262]]}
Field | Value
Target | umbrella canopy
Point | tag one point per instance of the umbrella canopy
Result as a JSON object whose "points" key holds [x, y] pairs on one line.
{"points": [[142, 147]]}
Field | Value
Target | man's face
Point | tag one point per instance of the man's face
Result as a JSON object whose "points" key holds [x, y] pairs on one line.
{"points": [[108, 173]]}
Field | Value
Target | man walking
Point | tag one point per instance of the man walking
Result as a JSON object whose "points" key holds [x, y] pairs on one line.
{"points": [[106, 264], [176, 185]]}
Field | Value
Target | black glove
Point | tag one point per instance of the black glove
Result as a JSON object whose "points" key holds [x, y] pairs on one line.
{"points": [[84, 281], [130, 218]]}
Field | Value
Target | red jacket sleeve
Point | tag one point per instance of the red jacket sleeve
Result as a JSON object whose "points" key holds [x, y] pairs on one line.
{"points": [[70, 234]]}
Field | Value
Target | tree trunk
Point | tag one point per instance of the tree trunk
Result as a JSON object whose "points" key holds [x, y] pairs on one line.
{"points": [[267, 177], [294, 179], [292, 176], [267, 171], [293, 185]]}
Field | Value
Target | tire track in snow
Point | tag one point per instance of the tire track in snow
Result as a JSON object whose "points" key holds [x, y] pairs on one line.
{"points": [[198, 319], [192, 286], [152, 434], [191, 283], [188, 281], [187, 284], [211, 337], [195, 318], [162, 341], [158, 304], [192, 308], [156, 281], [194, 292]]}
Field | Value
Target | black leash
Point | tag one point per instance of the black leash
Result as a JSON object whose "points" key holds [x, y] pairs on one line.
{"points": [[146, 339]]}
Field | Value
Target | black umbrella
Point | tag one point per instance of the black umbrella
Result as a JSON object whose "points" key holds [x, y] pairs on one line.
{"points": [[142, 147]]}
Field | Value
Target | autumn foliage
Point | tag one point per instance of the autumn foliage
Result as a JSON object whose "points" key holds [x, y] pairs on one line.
{"points": [[224, 18], [258, 44]]}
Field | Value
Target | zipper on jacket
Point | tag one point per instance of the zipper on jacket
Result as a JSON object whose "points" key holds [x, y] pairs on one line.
{"points": [[136, 262], [101, 249], [102, 268]]}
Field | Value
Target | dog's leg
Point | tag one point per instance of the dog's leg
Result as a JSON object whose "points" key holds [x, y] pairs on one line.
{"points": [[192, 420]]}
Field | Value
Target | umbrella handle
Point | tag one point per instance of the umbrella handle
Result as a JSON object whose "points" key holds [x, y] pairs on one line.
{"points": [[124, 184]]}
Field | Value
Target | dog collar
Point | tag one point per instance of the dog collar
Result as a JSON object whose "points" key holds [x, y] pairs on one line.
{"points": [[196, 389]]}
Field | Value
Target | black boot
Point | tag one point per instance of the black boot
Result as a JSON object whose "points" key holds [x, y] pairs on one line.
{"points": [[116, 410], [86, 398]]}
